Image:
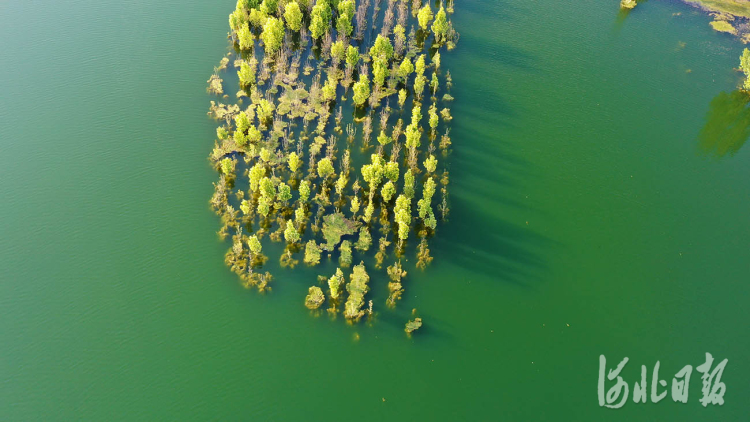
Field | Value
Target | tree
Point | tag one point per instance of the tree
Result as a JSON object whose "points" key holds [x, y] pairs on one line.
{"points": [[344, 21], [389, 189], [364, 241], [304, 191], [345, 259], [434, 119], [321, 19], [256, 173], [335, 283], [401, 97], [337, 50], [293, 16], [245, 37], [424, 16], [312, 253], [361, 90], [246, 74], [269, 6], [314, 298], [440, 26], [272, 35], [285, 193], [391, 171], [402, 212], [406, 68], [745, 67], [354, 205], [379, 71], [357, 289], [291, 235], [254, 244], [409, 184], [325, 168], [294, 162], [383, 139], [430, 164], [419, 82], [352, 56], [381, 48], [419, 65]]}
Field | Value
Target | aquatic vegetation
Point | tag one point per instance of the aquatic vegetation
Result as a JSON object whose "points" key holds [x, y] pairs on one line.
{"points": [[357, 289], [314, 298], [413, 325], [723, 26], [296, 157]]}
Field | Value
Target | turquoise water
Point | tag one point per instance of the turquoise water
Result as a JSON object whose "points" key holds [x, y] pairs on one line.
{"points": [[586, 219]]}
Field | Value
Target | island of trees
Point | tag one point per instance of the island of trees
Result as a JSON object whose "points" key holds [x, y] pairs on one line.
{"points": [[335, 144]]}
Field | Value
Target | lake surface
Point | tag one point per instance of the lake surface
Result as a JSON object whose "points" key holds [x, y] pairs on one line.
{"points": [[587, 218]]}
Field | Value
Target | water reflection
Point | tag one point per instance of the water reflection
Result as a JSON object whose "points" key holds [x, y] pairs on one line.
{"points": [[727, 124]]}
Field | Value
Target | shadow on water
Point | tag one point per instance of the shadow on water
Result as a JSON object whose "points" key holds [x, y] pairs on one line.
{"points": [[727, 124]]}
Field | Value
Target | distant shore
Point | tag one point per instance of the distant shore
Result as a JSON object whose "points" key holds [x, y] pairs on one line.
{"points": [[738, 8]]}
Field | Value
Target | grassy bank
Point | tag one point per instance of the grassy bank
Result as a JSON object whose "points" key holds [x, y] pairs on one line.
{"points": [[734, 7]]}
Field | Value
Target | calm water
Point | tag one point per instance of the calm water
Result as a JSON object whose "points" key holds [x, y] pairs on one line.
{"points": [[587, 219]]}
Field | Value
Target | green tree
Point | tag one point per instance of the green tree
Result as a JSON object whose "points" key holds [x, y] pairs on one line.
{"points": [[291, 235], [254, 244], [745, 67], [389, 189], [312, 253], [354, 206], [337, 50], [381, 48], [344, 20], [321, 19], [440, 26], [304, 191], [430, 164], [256, 173], [325, 168], [361, 90], [245, 37], [409, 184], [293, 16], [272, 35], [383, 139], [294, 162], [364, 241], [391, 171], [352, 56], [434, 119], [402, 212], [401, 97], [246, 74], [406, 68], [285, 193], [345, 259], [419, 65], [424, 16], [335, 283]]}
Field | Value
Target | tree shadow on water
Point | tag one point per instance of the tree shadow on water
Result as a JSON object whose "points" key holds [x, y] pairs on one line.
{"points": [[727, 124]]}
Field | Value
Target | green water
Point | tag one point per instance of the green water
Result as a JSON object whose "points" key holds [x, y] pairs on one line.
{"points": [[586, 220]]}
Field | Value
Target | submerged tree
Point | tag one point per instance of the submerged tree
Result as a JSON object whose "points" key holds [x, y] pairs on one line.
{"points": [[272, 35]]}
